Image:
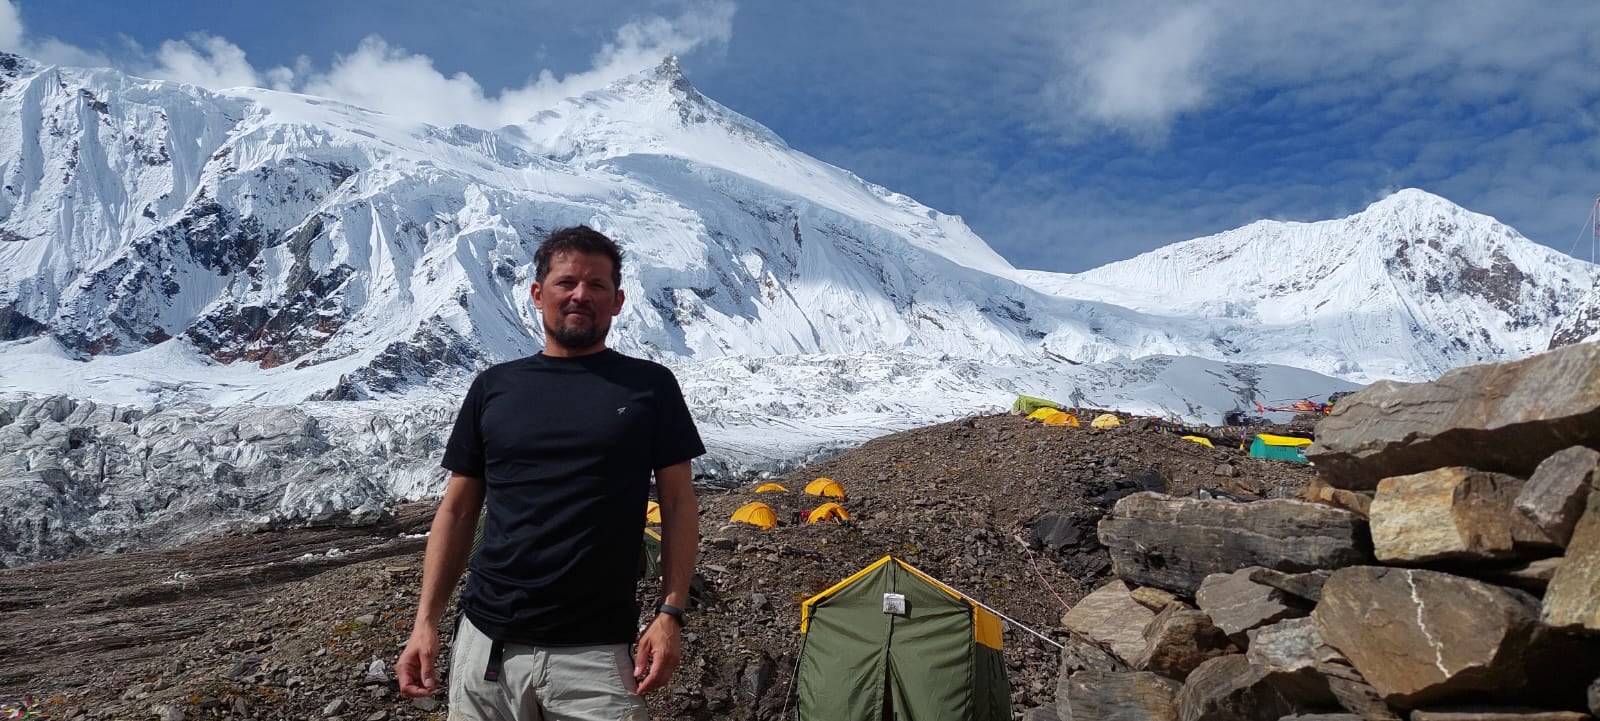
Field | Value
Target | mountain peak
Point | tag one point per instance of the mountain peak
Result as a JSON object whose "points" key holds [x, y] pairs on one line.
{"points": [[1411, 200]]}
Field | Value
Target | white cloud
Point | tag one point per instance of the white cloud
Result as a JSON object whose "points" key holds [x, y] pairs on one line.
{"points": [[1138, 66], [14, 38], [10, 28], [383, 77], [204, 60]]}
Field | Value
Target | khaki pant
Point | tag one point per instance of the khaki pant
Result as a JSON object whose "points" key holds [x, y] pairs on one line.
{"points": [[542, 683]]}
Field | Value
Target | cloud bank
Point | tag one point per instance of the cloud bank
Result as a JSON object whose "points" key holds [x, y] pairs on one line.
{"points": [[389, 79]]}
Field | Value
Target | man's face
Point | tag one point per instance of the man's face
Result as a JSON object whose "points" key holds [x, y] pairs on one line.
{"points": [[577, 301]]}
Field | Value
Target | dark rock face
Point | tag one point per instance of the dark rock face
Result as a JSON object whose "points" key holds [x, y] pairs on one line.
{"points": [[1504, 418], [1174, 543], [15, 325]]}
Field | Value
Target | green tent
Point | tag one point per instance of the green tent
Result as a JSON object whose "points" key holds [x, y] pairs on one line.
{"points": [[1028, 404], [891, 642], [1281, 448], [650, 555]]}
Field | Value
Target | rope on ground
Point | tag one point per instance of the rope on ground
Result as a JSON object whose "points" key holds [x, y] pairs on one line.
{"points": [[1025, 549]]}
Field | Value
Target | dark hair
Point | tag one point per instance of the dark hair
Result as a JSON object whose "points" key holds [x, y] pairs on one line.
{"points": [[577, 239]]}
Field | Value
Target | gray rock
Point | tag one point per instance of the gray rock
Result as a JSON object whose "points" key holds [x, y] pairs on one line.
{"points": [[1504, 417], [1496, 714], [1555, 496], [1228, 688], [1119, 697], [1174, 543], [1237, 604], [335, 707], [1573, 599], [1423, 636], [376, 673], [1111, 618], [1041, 713], [1290, 647], [1178, 640], [1306, 586]]}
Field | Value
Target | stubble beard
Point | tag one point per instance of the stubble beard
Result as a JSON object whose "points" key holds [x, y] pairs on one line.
{"points": [[576, 337]]}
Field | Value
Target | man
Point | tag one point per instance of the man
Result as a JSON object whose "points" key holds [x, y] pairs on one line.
{"points": [[559, 448]]}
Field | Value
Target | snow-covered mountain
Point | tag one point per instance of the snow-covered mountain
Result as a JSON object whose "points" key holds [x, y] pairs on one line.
{"points": [[1408, 288], [163, 246]]}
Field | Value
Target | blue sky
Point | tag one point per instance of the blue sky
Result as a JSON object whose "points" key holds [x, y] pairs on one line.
{"points": [[1067, 134]]}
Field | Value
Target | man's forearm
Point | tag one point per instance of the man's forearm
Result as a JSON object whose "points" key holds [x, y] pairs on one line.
{"points": [[680, 533], [449, 540]]}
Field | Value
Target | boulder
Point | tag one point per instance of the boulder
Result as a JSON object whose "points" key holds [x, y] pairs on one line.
{"points": [[1555, 496], [1136, 696], [1295, 649], [1449, 514], [1174, 543], [1041, 713], [1504, 417], [1531, 576], [1155, 599], [1318, 491], [1080, 655], [1178, 640], [1237, 604], [1111, 618], [1229, 688], [1422, 636], [1307, 586], [1573, 599], [1497, 714], [1291, 646]]}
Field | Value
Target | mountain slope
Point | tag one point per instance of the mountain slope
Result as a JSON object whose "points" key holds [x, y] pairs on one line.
{"points": [[1408, 288]]}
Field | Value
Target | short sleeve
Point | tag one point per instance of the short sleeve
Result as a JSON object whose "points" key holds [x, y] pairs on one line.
{"points": [[464, 452], [676, 438]]}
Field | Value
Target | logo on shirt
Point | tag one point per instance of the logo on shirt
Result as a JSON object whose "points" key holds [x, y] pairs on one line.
{"points": [[620, 410]]}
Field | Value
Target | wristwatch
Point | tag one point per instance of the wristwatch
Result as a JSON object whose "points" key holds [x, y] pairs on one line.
{"points": [[671, 610]]}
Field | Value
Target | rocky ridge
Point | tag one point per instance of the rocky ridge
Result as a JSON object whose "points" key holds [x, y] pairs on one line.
{"points": [[1445, 564]]}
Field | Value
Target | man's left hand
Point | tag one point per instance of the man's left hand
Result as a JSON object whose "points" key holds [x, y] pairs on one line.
{"points": [[660, 647]]}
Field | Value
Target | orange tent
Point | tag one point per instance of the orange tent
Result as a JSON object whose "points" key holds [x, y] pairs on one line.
{"points": [[756, 514], [828, 512], [825, 487], [770, 488], [652, 512]]}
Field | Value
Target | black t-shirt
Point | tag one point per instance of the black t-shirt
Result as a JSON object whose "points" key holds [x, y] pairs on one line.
{"points": [[566, 448]]}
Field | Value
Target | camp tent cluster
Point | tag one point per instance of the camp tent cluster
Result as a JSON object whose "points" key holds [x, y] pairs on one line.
{"points": [[1057, 417], [762, 516]]}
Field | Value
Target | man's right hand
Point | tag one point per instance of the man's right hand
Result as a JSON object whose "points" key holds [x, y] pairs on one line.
{"points": [[414, 672]]}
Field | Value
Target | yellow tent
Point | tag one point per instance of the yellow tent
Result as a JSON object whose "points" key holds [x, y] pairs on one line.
{"points": [[1202, 440], [1053, 417], [770, 487], [828, 512], [756, 514], [1043, 413], [652, 512], [825, 487], [1106, 420], [1060, 418]]}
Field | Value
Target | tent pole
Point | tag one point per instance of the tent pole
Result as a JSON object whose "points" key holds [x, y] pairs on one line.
{"points": [[981, 605]]}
